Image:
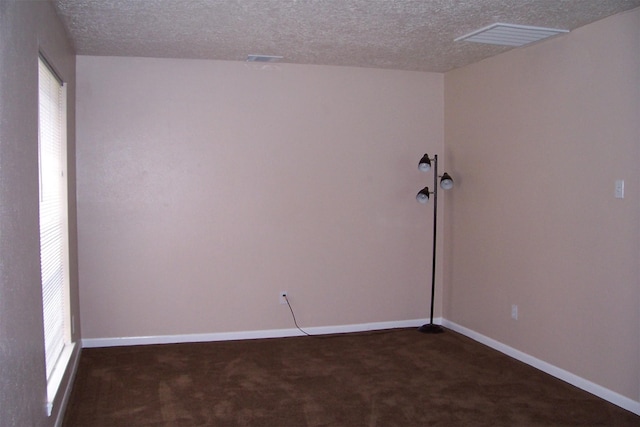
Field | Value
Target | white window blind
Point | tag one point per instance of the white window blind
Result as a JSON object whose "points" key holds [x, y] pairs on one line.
{"points": [[53, 215]]}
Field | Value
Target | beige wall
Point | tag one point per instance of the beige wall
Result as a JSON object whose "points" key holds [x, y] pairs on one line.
{"points": [[26, 27], [207, 187], [536, 139]]}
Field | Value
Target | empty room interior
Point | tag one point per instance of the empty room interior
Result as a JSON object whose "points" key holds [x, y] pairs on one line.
{"points": [[203, 183]]}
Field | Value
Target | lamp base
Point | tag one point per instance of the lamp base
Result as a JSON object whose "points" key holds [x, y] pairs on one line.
{"points": [[431, 328]]}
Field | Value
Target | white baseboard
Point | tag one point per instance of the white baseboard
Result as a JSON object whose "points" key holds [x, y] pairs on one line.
{"points": [[247, 335], [593, 388]]}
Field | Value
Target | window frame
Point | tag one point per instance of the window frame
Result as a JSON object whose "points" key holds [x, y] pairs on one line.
{"points": [[55, 364]]}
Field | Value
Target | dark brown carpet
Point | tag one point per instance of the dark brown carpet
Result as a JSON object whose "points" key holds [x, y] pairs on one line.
{"points": [[388, 378]]}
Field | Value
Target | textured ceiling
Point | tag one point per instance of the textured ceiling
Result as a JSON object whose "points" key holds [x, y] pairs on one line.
{"points": [[398, 34]]}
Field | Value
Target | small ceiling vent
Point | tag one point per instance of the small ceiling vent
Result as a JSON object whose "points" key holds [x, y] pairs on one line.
{"points": [[263, 58], [510, 34]]}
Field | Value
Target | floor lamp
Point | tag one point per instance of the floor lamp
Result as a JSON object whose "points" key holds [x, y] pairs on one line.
{"points": [[446, 183]]}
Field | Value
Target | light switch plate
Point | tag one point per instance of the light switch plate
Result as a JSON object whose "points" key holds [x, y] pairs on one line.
{"points": [[619, 189]]}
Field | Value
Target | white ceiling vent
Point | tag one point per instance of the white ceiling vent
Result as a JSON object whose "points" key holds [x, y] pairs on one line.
{"points": [[510, 34], [263, 58]]}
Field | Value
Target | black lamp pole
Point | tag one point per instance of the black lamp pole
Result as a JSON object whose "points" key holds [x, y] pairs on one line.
{"points": [[432, 328]]}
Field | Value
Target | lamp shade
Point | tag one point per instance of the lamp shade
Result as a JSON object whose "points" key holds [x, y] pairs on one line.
{"points": [[423, 195], [446, 183], [425, 163]]}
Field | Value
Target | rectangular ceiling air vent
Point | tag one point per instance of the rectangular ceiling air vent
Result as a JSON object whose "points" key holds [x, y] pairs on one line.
{"points": [[510, 34], [263, 58]]}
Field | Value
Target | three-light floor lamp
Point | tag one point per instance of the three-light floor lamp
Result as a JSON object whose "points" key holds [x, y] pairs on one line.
{"points": [[446, 183]]}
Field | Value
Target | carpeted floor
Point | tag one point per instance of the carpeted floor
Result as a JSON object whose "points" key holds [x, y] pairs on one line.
{"points": [[388, 378]]}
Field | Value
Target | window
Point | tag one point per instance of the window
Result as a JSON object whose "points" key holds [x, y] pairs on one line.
{"points": [[53, 226]]}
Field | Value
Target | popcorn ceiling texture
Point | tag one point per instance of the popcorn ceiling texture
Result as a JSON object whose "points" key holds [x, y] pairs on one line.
{"points": [[397, 34]]}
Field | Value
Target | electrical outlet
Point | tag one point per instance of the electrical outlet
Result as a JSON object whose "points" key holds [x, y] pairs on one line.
{"points": [[514, 311], [283, 297]]}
